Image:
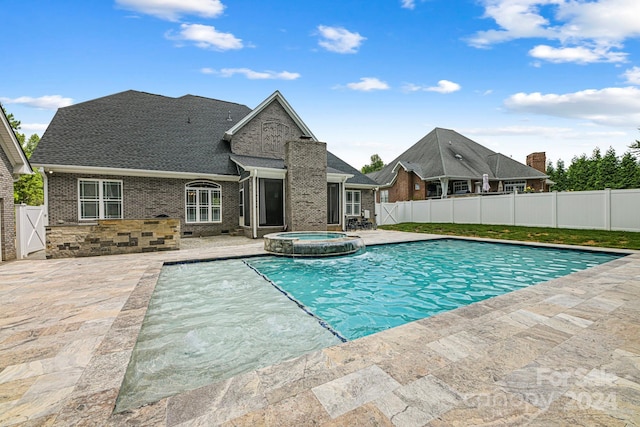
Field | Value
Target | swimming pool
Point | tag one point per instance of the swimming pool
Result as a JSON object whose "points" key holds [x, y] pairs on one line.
{"points": [[213, 320], [390, 285]]}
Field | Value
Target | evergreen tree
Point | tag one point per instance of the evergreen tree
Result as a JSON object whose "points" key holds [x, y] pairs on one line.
{"points": [[628, 172], [560, 177], [578, 178], [606, 171]]}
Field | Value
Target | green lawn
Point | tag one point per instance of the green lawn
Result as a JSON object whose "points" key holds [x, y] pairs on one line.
{"points": [[600, 238]]}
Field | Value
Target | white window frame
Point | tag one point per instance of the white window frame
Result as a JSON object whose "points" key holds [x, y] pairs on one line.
{"points": [[101, 200], [200, 197], [510, 186], [384, 196], [353, 207], [460, 186]]}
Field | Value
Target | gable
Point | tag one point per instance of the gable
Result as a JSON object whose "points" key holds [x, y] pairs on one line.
{"points": [[13, 156], [265, 133]]}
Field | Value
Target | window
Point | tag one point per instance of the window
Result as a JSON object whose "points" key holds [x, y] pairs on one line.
{"points": [[99, 199], [353, 202], [203, 202], [241, 199], [511, 186], [384, 196], [460, 187]]}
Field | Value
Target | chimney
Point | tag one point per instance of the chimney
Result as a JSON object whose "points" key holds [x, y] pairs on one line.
{"points": [[538, 161]]}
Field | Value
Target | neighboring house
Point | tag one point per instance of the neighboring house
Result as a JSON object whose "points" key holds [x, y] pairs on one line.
{"points": [[217, 166], [446, 163], [13, 163]]}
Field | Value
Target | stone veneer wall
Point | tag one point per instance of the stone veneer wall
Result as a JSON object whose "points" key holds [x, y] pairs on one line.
{"points": [[306, 185], [143, 198], [113, 236], [7, 210]]}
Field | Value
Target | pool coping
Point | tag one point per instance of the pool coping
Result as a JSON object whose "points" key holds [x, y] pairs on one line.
{"points": [[309, 378]]}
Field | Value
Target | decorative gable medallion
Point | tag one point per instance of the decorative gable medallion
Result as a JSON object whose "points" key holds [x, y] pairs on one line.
{"points": [[274, 135]]}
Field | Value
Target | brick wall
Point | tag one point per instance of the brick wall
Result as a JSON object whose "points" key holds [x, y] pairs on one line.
{"points": [[306, 185], [7, 210], [538, 161], [142, 198], [113, 236], [266, 134]]}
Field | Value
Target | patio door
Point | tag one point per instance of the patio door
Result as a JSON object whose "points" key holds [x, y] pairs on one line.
{"points": [[271, 202], [333, 203]]}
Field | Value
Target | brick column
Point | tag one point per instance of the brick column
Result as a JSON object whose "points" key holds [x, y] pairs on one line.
{"points": [[306, 185]]}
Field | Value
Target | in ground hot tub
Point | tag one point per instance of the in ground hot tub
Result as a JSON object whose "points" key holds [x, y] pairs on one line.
{"points": [[312, 243]]}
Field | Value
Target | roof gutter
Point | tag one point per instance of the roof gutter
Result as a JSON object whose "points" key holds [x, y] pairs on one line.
{"points": [[49, 168]]}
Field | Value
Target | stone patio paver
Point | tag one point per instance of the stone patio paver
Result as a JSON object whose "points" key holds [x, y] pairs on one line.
{"points": [[562, 352]]}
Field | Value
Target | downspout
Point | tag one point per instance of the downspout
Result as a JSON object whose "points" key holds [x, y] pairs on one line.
{"points": [[45, 185], [343, 205], [254, 222]]}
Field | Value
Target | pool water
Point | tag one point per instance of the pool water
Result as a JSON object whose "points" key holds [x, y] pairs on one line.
{"points": [[212, 320], [391, 285]]}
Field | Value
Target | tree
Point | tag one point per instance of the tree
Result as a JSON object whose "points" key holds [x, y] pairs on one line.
{"points": [[628, 172], [558, 175], [606, 171], [28, 189], [578, 174], [635, 147], [375, 165]]}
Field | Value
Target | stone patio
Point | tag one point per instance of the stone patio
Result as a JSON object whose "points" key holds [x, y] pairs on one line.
{"points": [[564, 352]]}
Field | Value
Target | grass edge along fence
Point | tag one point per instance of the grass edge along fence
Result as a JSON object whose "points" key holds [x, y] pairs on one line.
{"points": [[566, 236]]}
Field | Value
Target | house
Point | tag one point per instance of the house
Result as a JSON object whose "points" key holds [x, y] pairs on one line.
{"points": [[218, 166], [13, 163], [445, 163]]}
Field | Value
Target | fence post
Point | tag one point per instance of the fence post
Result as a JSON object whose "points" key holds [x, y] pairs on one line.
{"points": [[21, 246], [607, 209], [554, 209], [513, 207]]}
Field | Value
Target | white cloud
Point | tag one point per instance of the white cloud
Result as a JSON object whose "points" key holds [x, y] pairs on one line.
{"points": [[444, 86], [340, 40], [608, 106], [206, 37], [408, 4], [253, 75], [367, 84], [586, 31], [518, 130], [172, 10], [633, 76], [580, 54], [47, 102]]}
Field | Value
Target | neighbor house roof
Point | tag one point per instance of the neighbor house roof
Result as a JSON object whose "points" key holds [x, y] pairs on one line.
{"points": [[136, 131], [11, 147], [444, 153]]}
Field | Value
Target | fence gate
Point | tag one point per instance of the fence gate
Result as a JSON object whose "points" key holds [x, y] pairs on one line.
{"points": [[388, 213], [30, 232]]}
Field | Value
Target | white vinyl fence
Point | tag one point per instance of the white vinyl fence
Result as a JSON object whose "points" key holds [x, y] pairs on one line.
{"points": [[30, 232], [599, 210]]}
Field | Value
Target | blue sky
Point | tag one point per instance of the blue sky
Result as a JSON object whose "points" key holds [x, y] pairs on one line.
{"points": [[367, 77]]}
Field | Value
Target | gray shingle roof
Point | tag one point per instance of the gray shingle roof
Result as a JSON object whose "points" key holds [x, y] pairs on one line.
{"points": [[446, 153], [138, 130]]}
